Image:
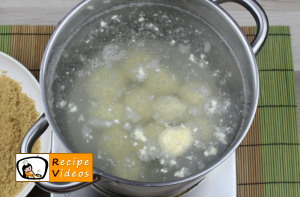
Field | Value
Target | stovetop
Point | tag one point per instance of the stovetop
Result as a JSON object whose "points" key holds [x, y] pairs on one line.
{"points": [[220, 182]]}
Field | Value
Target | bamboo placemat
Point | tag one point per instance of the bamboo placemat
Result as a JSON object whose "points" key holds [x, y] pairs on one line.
{"points": [[268, 158], [268, 162]]}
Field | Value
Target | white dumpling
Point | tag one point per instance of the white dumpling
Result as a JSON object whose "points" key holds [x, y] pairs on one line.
{"points": [[114, 143], [194, 93], [111, 142], [169, 108], [103, 84], [140, 100], [160, 81], [111, 111], [134, 67], [175, 141]]}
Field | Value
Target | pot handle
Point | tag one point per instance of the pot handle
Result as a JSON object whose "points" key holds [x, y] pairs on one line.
{"points": [[260, 18], [29, 139]]}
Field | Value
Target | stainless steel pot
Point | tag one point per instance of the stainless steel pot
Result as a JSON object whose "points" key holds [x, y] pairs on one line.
{"points": [[210, 11]]}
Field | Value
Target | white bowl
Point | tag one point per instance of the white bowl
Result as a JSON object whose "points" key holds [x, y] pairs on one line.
{"points": [[31, 87]]}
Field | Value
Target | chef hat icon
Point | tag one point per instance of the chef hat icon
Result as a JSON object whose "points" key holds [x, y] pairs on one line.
{"points": [[25, 162]]}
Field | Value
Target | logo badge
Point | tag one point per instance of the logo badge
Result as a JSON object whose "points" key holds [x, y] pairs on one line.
{"points": [[32, 167], [54, 167]]}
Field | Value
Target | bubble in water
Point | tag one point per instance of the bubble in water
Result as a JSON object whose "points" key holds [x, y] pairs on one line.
{"points": [[127, 126], [100, 123], [207, 47], [184, 48], [131, 114], [86, 133], [111, 53]]}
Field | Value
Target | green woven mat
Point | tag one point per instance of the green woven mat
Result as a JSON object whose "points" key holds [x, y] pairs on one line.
{"points": [[278, 116], [268, 158]]}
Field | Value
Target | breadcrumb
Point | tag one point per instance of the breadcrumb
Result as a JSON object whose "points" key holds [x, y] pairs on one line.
{"points": [[17, 114]]}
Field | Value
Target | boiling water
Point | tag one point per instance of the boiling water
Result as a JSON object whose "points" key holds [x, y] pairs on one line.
{"points": [[152, 91]]}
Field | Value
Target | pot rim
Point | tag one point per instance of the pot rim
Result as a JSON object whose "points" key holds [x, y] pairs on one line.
{"points": [[222, 158]]}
